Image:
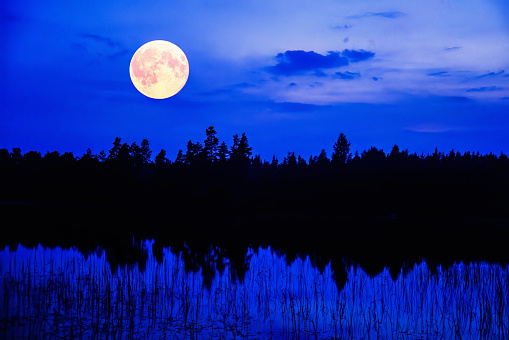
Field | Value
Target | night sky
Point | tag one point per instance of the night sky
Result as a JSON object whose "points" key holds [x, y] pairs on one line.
{"points": [[292, 75]]}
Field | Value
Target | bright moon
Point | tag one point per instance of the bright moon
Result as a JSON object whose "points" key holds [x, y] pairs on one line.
{"points": [[159, 69]]}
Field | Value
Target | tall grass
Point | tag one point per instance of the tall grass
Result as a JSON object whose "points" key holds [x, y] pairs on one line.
{"points": [[52, 294]]}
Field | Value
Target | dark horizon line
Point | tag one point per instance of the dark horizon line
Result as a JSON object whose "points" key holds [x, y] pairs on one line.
{"points": [[201, 146]]}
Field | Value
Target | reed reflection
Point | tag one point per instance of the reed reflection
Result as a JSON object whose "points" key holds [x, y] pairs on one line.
{"points": [[51, 293]]}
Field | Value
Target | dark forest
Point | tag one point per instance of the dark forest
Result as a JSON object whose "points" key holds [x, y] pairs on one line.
{"points": [[395, 205]]}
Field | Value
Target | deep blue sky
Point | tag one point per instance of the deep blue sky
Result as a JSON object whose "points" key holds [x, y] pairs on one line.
{"points": [[291, 74]]}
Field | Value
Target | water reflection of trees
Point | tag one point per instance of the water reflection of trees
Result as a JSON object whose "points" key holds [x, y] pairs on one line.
{"points": [[61, 293]]}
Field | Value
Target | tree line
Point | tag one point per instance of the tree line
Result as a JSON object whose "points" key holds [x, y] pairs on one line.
{"points": [[213, 152], [216, 179]]}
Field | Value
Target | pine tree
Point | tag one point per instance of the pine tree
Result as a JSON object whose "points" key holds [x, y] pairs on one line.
{"points": [[292, 160], [222, 153], [161, 159], [275, 162], [113, 153], [211, 144], [181, 158], [194, 152], [102, 156], [322, 158], [145, 152], [341, 150]]}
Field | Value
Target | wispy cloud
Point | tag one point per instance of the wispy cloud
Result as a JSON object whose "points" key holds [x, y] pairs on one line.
{"points": [[429, 128], [342, 27], [346, 75], [485, 89], [389, 15], [491, 74], [115, 48], [99, 38], [438, 74]]}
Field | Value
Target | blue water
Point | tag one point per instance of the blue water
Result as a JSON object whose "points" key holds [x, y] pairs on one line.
{"points": [[55, 293]]}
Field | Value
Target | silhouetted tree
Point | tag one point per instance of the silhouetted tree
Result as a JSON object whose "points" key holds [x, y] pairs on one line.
{"points": [[5, 158], [210, 144], [67, 158], [240, 149], [113, 153], [102, 156], [222, 153], [141, 154], [32, 158], [87, 155], [257, 160], [16, 156], [394, 152], [181, 158], [322, 158], [292, 160], [52, 158], [275, 162], [235, 146], [89, 159], [341, 150], [161, 159], [373, 154], [301, 161], [194, 152], [356, 157], [244, 148], [123, 158]]}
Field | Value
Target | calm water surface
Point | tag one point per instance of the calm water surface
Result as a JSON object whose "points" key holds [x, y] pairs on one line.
{"points": [[55, 293]]}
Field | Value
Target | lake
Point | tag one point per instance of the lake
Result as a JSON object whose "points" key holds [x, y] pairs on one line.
{"points": [[63, 293]]}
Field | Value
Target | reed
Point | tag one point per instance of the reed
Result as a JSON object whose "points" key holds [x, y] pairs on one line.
{"points": [[50, 294]]}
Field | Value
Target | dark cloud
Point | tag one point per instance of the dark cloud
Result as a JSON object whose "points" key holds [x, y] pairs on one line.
{"points": [[297, 62], [346, 76], [450, 49], [389, 15], [485, 89], [355, 56], [438, 74], [491, 74], [292, 62]]}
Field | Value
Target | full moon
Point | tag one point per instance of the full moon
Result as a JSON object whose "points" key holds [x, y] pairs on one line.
{"points": [[159, 69]]}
